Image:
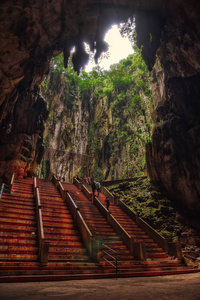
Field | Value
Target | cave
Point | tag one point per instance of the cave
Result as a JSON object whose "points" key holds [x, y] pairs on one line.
{"points": [[33, 32]]}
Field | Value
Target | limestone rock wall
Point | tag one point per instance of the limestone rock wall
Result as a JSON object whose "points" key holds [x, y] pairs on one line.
{"points": [[173, 155]]}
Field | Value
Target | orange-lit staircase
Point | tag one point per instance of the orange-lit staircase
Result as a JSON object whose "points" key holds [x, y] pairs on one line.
{"points": [[68, 259], [18, 238], [66, 252], [157, 262], [153, 251], [99, 227]]}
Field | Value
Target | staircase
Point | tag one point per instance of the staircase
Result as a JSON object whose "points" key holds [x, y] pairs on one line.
{"points": [[68, 259], [100, 228], [18, 236], [157, 262], [66, 252], [19, 243], [153, 251]]}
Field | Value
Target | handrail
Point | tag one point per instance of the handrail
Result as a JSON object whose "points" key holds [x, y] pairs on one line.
{"points": [[114, 257], [92, 245], [2, 188], [77, 183], [55, 180], [11, 183], [101, 208], [43, 244], [86, 192], [136, 249], [160, 240], [83, 229], [107, 193], [171, 248]]}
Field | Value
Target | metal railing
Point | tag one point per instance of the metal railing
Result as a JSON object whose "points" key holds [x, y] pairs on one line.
{"points": [[160, 240], [136, 249], [11, 183], [2, 189], [91, 243], [43, 244], [106, 255]]}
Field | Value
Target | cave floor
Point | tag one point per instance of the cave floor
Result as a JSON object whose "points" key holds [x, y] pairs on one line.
{"points": [[175, 287]]}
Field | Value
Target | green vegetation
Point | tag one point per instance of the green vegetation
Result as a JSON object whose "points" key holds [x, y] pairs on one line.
{"points": [[150, 203], [118, 104]]}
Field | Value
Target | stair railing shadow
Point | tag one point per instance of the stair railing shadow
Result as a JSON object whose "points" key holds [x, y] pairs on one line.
{"points": [[91, 243], [172, 249], [109, 258], [43, 244]]}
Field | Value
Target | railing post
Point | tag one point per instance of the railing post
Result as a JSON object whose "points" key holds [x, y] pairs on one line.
{"points": [[54, 179], [174, 249], [11, 183], [137, 219], [138, 250], [96, 250], [34, 186], [116, 200], [44, 251], [43, 245], [2, 188], [108, 217]]}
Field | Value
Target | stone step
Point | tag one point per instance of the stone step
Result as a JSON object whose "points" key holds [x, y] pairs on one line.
{"points": [[17, 228], [60, 238], [66, 244], [18, 196], [18, 257], [49, 231], [66, 220], [17, 234], [57, 258], [18, 242], [18, 249], [12, 215], [50, 265], [51, 272], [18, 204], [16, 221], [9, 208], [66, 251], [53, 207], [63, 226]]}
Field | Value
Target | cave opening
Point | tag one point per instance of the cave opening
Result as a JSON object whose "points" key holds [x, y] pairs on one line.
{"points": [[100, 120]]}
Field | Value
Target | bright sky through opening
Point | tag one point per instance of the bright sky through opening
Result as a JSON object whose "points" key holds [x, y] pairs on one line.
{"points": [[119, 48]]}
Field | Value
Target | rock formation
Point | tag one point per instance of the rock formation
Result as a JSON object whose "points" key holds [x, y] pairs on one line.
{"points": [[32, 32], [87, 132]]}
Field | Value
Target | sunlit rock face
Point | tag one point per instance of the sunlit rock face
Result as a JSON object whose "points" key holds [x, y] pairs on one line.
{"points": [[32, 32]]}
